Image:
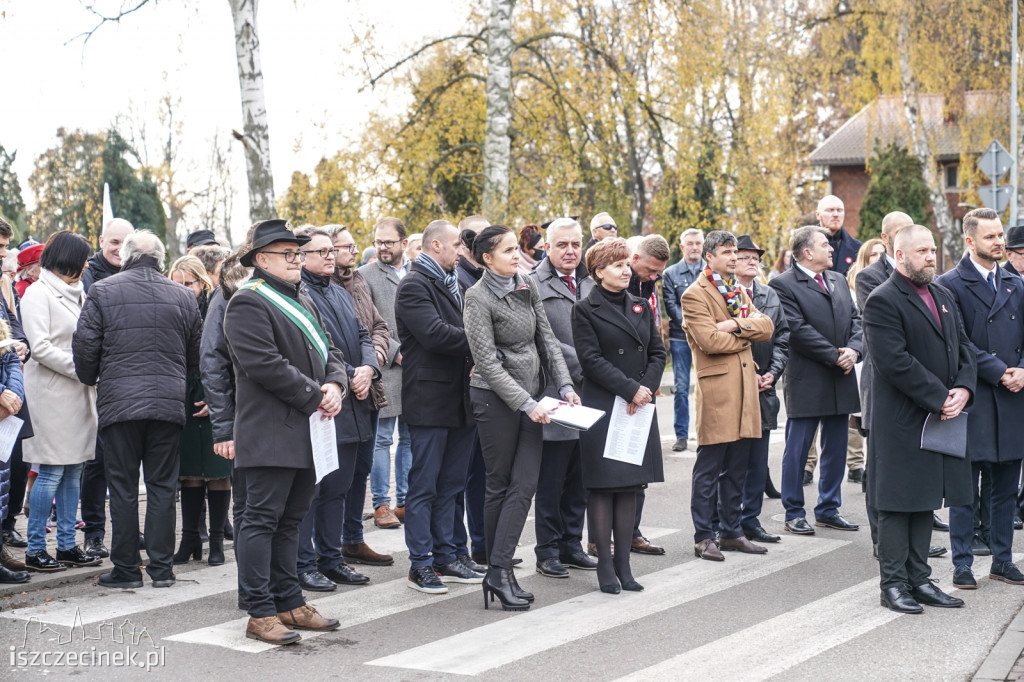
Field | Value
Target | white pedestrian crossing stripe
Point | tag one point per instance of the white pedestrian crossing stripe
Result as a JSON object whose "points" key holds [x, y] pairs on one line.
{"points": [[540, 629]]}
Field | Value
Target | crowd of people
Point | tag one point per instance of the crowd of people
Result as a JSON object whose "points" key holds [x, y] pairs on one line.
{"points": [[210, 376]]}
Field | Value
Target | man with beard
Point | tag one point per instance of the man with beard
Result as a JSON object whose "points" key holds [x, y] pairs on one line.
{"points": [[990, 302], [922, 363]]}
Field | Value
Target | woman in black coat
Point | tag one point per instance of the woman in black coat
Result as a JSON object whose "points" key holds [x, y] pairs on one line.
{"points": [[622, 356]]}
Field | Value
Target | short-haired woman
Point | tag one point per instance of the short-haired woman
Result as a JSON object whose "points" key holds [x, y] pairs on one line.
{"points": [[514, 349], [201, 472], [620, 350], [65, 431]]}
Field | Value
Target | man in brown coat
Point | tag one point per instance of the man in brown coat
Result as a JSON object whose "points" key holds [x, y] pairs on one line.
{"points": [[720, 323]]}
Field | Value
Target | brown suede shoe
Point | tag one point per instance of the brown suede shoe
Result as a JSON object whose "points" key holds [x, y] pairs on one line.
{"points": [[362, 554], [741, 544], [641, 545], [708, 549], [271, 631], [9, 561], [400, 513], [383, 517], [307, 618]]}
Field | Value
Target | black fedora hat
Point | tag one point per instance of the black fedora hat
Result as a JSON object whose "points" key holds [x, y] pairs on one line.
{"points": [[268, 232], [745, 243], [1015, 237], [200, 238]]}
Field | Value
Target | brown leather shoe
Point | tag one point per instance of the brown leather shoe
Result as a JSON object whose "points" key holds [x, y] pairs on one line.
{"points": [[362, 554], [307, 618], [383, 517], [400, 513], [592, 549], [270, 630], [642, 546], [9, 561], [708, 549], [741, 544]]}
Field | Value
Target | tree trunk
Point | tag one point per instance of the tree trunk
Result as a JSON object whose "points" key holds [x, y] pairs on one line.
{"points": [[497, 142], [921, 147], [255, 135]]}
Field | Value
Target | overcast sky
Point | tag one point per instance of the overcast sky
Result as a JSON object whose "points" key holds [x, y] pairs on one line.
{"points": [[186, 48]]}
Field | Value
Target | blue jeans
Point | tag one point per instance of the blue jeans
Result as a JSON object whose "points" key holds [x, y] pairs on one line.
{"points": [[682, 359], [380, 475], [63, 482]]}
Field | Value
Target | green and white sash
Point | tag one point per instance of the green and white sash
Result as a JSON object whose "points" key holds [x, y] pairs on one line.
{"points": [[301, 317]]}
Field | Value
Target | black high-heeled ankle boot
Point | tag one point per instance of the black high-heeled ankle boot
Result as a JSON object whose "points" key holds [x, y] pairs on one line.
{"points": [[770, 490], [191, 545], [518, 591], [219, 501], [498, 582]]}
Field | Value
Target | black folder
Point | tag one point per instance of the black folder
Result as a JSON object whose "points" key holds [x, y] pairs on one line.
{"points": [[945, 436]]}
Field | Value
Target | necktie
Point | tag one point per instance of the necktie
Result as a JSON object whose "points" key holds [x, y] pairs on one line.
{"points": [[821, 281], [750, 294], [992, 280], [571, 283], [452, 282]]}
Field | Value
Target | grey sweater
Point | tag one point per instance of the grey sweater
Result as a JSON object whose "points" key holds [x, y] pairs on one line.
{"points": [[511, 340]]}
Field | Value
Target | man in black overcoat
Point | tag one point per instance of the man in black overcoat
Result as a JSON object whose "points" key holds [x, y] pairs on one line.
{"points": [[923, 364], [831, 213], [286, 369], [821, 386], [991, 302]]}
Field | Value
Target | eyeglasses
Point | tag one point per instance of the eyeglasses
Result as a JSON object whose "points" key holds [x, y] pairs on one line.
{"points": [[289, 256], [190, 284], [748, 259], [323, 253], [385, 244], [351, 248], [606, 227]]}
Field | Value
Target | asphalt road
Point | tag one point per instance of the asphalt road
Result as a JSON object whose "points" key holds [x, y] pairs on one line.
{"points": [[808, 610]]}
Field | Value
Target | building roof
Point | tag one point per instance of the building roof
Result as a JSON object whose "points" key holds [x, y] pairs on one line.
{"points": [[883, 121]]}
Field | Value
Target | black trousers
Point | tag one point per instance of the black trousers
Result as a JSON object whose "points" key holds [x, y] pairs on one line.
{"points": [[718, 477], [903, 539], [93, 495], [237, 511], [561, 503], [152, 444], [512, 445], [19, 479], [276, 500]]}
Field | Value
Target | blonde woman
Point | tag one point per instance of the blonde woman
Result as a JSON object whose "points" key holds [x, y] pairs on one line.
{"points": [[870, 251], [199, 466]]}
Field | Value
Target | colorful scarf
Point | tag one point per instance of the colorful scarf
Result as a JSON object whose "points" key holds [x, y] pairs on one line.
{"points": [[730, 292]]}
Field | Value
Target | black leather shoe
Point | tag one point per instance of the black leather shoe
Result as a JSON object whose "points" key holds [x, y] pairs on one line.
{"points": [[43, 563], [108, 580], [759, 534], [468, 562], [899, 600], [578, 560], [808, 477], [1018, 523], [12, 538], [552, 568], [939, 524], [936, 551], [799, 527], [979, 548], [9, 577], [836, 522], [164, 582], [344, 575], [94, 547], [856, 476], [76, 556], [458, 572], [930, 595], [315, 581]]}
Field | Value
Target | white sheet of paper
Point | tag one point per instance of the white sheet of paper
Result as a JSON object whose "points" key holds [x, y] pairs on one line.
{"points": [[9, 430], [325, 444], [573, 416], [627, 435]]}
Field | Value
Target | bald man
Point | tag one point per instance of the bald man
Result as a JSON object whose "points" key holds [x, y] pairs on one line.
{"points": [[107, 261], [831, 213]]}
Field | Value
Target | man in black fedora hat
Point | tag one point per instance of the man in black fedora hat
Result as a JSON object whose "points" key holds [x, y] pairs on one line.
{"points": [[286, 369], [1015, 250]]}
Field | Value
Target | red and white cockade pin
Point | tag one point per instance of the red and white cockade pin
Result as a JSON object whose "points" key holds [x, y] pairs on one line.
{"points": [[638, 308], [944, 311], [848, 260]]}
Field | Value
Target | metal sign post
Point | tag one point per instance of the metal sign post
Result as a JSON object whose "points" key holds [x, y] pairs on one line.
{"points": [[993, 164]]}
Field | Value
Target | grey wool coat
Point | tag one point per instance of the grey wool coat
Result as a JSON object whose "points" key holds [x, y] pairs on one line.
{"points": [[382, 281], [511, 340], [558, 302]]}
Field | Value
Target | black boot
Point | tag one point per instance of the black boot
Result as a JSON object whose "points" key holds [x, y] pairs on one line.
{"points": [[219, 501], [769, 489], [518, 591], [191, 545], [498, 582]]}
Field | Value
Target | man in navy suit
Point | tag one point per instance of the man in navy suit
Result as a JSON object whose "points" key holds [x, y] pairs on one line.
{"points": [[821, 386], [991, 303], [831, 213]]}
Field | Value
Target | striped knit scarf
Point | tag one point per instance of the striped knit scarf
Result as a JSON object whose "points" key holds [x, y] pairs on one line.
{"points": [[730, 292]]}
